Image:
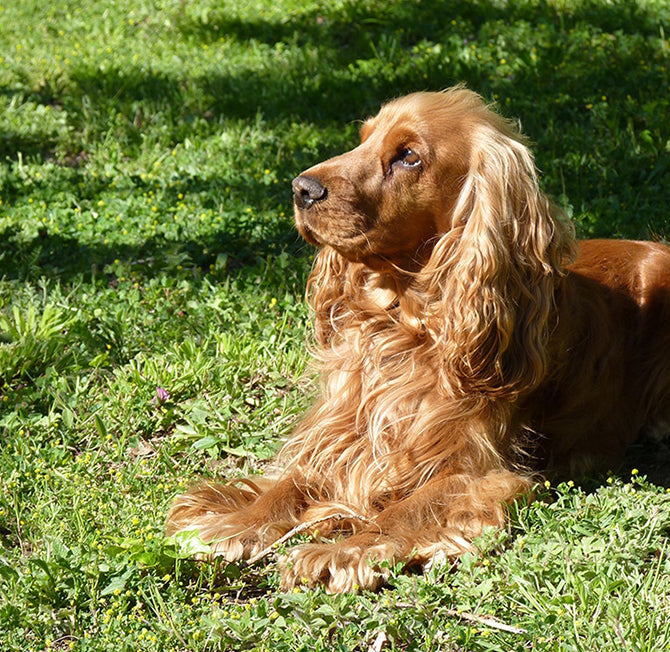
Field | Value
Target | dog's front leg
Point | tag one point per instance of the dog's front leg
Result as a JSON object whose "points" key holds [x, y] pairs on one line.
{"points": [[238, 519], [439, 519]]}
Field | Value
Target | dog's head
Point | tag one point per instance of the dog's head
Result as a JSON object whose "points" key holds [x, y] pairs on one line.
{"points": [[389, 198]]}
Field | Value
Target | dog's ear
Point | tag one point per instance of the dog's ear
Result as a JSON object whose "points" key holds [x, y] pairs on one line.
{"points": [[498, 267]]}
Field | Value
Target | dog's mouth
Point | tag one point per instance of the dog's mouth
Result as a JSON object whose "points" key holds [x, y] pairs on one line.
{"points": [[346, 231], [359, 247]]}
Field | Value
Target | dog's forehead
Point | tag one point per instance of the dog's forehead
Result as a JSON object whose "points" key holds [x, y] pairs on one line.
{"points": [[417, 112], [392, 117]]}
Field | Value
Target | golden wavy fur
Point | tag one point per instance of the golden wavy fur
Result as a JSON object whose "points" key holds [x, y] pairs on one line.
{"points": [[466, 341]]}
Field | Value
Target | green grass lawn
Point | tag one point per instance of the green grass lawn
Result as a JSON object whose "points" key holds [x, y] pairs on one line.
{"points": [[152, 325]]}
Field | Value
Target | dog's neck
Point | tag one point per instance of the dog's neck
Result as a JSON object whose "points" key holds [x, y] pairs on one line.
{"points": [[394, 295]]}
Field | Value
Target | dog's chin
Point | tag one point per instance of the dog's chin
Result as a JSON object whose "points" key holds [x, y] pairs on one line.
{"points": [[307, 233]]}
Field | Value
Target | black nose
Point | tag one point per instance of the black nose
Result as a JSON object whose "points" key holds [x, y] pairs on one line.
{"points": [[307, 191]]}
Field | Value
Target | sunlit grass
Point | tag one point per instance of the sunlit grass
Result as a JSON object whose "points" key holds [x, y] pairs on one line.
{"points": [[152, 327]]}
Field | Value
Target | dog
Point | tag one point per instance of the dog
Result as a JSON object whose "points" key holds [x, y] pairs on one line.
{"points": [[466, 341]]}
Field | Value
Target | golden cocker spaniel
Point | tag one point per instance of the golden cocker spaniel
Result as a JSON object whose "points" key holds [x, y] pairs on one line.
{"points": [[466, 342]]}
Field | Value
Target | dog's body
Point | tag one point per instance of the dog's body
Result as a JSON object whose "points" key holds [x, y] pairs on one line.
{"points": [[611, 380], [466, 342]]}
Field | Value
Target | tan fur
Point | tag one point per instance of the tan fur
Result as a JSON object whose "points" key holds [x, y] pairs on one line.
{"points": [[460, 348]]}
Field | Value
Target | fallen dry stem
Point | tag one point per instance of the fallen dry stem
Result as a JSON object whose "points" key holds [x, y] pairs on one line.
{"points": [[302, 527], [488, 621]]}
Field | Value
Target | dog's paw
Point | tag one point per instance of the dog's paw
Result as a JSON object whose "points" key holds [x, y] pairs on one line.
{"points": [[345, 566]]}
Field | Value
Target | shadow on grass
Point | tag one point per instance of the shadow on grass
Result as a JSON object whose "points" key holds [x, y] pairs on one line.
{"points": [[651, 456], [356, 56], [352, 57], [333, 65], [65, 258], [33, 145]]}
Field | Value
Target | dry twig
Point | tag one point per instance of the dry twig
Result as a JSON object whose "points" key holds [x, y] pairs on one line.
{"points": [[302, 527], [487, 621]]}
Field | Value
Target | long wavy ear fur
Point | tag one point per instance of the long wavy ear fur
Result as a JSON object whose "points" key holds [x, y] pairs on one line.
{"points": [[496, 270]]}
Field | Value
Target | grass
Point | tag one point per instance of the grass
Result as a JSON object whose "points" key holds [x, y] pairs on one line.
{"points": [[152, 326]]}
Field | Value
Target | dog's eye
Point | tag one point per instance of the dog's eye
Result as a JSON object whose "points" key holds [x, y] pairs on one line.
{"points": [[408, 158]]}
